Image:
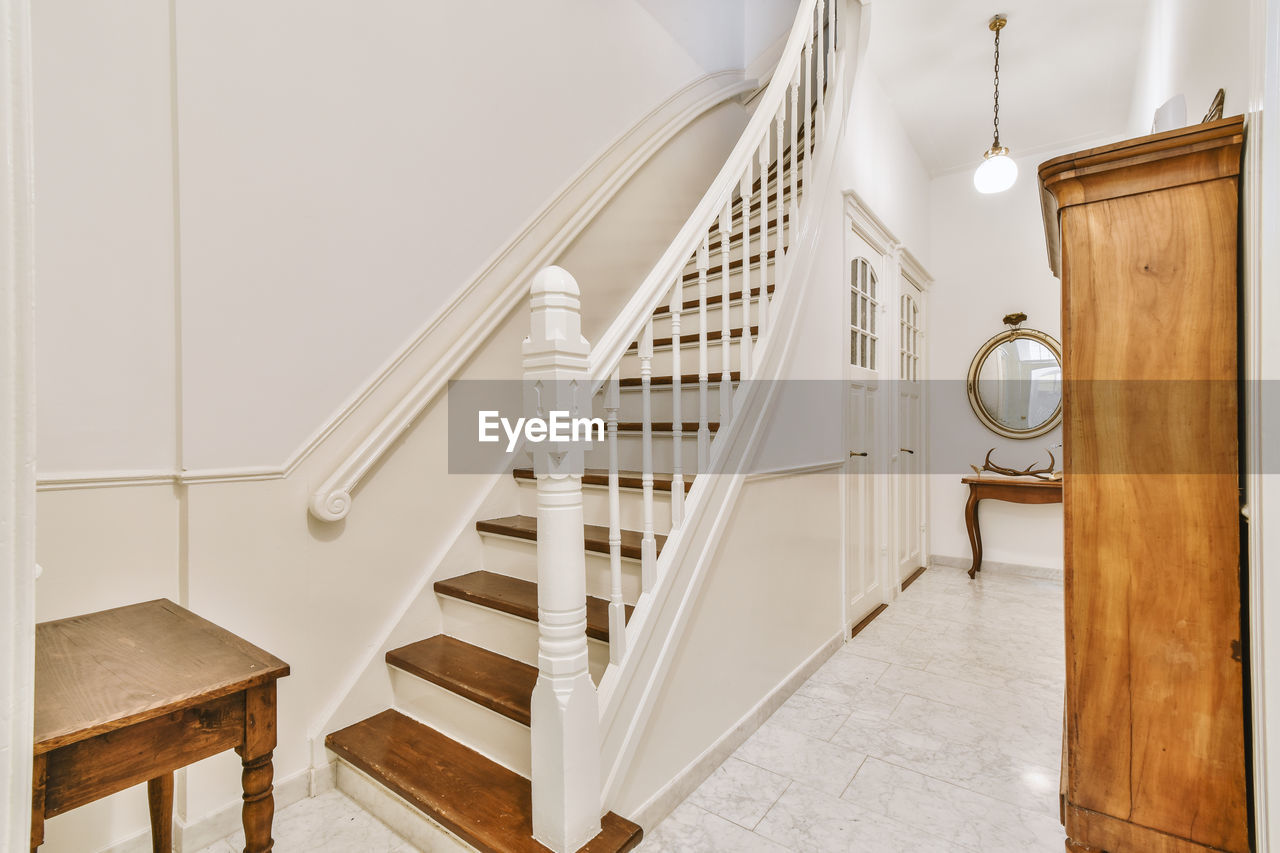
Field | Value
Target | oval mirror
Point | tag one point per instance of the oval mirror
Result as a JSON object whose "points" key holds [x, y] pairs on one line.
{"points": [[1015, 383]]}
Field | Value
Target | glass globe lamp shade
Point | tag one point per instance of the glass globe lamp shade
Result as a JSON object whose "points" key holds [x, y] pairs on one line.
{"points": [[996, 173]]}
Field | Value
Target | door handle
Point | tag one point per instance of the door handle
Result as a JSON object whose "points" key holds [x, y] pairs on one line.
{"points": [[857, 453], [904, 450]]}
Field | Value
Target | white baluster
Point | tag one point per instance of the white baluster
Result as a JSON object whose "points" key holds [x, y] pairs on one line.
{"points": [[831, 35], [808, 111], [763, 314], [744, 343], [779, 123], [793, 207], [677, 425], [565, 739], [617, 607], [821, 61], [648, 542], [726, 362], [704, 431]]}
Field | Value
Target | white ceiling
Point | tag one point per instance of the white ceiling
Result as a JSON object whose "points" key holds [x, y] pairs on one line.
{"points": [[1067, 72]]}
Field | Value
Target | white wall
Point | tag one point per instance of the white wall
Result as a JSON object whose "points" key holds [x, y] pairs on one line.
{"points": [[1192, 48], [881, 165], [988, 260], [304, 184], [104, 236]]}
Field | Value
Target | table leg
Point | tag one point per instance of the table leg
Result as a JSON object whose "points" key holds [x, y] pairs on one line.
{"points": [[255, 754], [38, 777], [975, 533], [160, 800]]}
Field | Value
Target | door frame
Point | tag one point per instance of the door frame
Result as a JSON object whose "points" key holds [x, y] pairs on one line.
{"points": [[863, 225], [911, 273], [17, 429], [857, 247], [898, 263]]}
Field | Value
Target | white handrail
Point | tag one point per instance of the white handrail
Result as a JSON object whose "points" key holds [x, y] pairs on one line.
{"points": [[613, 344]]}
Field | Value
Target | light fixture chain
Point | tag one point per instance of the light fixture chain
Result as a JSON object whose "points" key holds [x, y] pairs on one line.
{"points": [[996, 139]]}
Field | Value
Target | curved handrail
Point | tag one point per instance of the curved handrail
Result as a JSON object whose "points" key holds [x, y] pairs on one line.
{"points": [[627, 327]]}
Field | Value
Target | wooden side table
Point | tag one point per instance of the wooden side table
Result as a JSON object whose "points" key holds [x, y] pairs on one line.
{"points": [[132, 694], [1018, 490]]}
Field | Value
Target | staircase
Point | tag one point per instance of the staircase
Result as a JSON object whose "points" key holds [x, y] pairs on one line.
{"points": [[457, 746]]}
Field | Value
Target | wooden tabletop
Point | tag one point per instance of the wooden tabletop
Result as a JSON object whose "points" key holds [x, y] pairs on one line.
{"points": [[111, 669], [1013, 481]]}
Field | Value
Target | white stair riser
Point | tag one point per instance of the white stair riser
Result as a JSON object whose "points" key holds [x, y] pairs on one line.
{"points": [[595, 506], [689, 316], [505, 634], [664, 362], [487, 732], [715, 284], [518, 558], [660, 399], [630, 452], [403, 818]]}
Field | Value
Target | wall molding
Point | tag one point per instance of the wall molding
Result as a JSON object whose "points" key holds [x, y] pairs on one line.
{"points": [[17, 427], [785, 471], [452, 335]]}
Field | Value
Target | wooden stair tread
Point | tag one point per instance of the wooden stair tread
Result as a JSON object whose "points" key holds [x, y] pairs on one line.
{"points": [[600, 477], [597, 536], [692, 338], [685, 379], [692, 304], [519, 598], [480, 801], [686, 427], [495, 681]]}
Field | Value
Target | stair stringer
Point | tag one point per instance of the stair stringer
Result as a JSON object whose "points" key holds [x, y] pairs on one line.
{"points": [[629, 690]]}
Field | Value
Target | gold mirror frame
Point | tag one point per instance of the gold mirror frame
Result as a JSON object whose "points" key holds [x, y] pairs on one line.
{"points": [[975, 400]]}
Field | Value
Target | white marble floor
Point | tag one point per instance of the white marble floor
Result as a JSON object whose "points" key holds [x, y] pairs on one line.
{"points": [[938, 728], [329, 823]]}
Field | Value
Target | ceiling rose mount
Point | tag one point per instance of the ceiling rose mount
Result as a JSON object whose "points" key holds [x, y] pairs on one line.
{"points": [[997, 171]]}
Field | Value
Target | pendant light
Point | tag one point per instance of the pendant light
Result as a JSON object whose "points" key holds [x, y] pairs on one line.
{"points": [[997, 171]]}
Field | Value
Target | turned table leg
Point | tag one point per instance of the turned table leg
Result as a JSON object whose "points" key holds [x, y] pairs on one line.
{"points": [[975, 533], [259, 743], [160, 802]]}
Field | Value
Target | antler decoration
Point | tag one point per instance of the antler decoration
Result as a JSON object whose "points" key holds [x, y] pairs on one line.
{"points": [[1046, 473]]}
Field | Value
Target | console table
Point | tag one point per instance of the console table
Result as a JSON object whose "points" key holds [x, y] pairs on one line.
{"points": [[129, 695], [1018, 490]]}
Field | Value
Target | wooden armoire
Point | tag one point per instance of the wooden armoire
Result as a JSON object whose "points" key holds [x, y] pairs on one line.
{"points": [[1143, 235]]}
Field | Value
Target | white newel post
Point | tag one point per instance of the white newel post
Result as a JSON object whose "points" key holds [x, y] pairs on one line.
{"points": [[565, 716]]}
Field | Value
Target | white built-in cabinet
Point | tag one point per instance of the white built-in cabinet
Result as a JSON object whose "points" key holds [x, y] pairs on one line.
{"points": [[884, 331]]}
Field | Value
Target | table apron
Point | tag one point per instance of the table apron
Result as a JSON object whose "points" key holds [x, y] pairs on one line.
{"points": [[88, 770]]}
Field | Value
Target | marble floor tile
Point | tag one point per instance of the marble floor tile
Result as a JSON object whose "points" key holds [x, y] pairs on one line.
{"points": [[219, 847], [329, 823], [810, 761], [739, 792], [975, 821], [690, 829], [811, 715], [804, 819]]}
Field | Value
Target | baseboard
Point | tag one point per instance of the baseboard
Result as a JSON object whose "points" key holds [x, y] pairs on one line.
{"points": [[998, 568], [697, 771]]}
